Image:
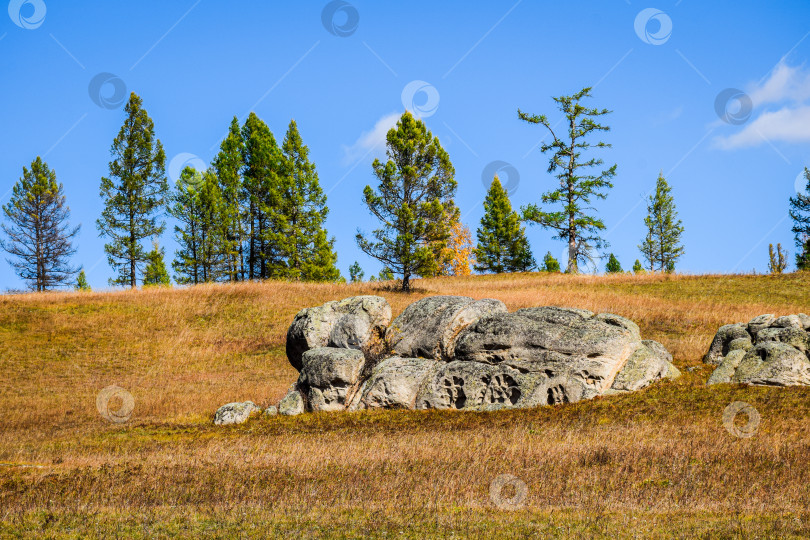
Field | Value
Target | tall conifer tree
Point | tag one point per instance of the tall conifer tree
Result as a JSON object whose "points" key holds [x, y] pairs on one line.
{"points": [[662, 245], [134, 194], [502, 244], [800, 213], [228, 165]]}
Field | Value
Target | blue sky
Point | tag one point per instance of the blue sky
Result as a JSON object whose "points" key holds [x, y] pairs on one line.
{"points": [[465, 68]]}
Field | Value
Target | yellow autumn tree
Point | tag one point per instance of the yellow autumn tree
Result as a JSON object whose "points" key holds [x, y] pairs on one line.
{"points": [[457, 257]]}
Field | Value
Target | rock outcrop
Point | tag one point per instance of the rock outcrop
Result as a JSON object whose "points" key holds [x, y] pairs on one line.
{"points": [[454, 352], [768, 350], [235, 413]]}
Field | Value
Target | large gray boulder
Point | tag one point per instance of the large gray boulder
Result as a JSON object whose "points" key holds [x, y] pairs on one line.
{"points": [[329, 375], [395, 383], [235, 413], [769, 350], [649, 363], [358, 322], [429, 327]]}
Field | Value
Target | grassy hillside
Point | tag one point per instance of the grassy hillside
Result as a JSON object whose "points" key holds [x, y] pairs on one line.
{"points": [[655, 463]]}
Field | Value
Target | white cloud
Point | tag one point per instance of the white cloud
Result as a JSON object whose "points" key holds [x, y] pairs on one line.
{"points": [[372, 141], [787, 91]]}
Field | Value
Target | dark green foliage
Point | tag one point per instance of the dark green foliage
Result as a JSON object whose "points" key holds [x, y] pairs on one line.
{"points": [[228, 167], [574, 222], [134, 194], [413, 202], [800, 213], [197, 204], [356, 273], [38, 236], [305, 251], [81, 282], [550, 264], [502, 244], [155, 272], [613, 266], [637, 268], [662, 246]]}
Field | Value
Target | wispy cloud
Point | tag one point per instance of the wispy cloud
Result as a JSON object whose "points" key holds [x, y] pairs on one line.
{"points": [[781, 110], [371, 139]]}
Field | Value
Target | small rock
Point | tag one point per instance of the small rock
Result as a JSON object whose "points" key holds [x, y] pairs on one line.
{"points": [[291, 404], [235, 413], [272, 410]]}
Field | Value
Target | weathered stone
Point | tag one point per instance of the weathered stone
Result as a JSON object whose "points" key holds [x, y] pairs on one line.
{"points": [[759, 322], [743, 343], [292, 403], [355, 323], [395, 383], [272, 410], [329, 375], [235, 413], [773, 363], [795, 337], [429, 328], [720, 345], [788, 321], [647, 364], [725, 371], [805, 319]]}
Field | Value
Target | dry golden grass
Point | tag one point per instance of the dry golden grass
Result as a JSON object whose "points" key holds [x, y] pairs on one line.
{"points": [[653, 463]]}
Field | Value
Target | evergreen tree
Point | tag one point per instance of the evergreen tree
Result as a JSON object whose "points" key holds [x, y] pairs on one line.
{"points": [[263, 163], [81, 282], [613, 266], [777, 259], [133, 194], [550, 264], [38, 234], [800, 213], [356, 273], [228, 165], [662, 246], [155, 272], [637, 268], [502, 244], [573, 221], [305, 251], [413, 202], [386, 274]]}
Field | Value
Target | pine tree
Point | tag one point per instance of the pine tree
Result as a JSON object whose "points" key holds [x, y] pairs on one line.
{"points": [[356, 273], [637, 268], [134, 194], [413, 202], [662, 246], [800, 213], [38, 234], [502, 244], [263, 164], [228, 165], [155, 272], [572, 221], [777, 259], [305, 250], [81, 282], [613, 265], [386, 274], [550, 264]]}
